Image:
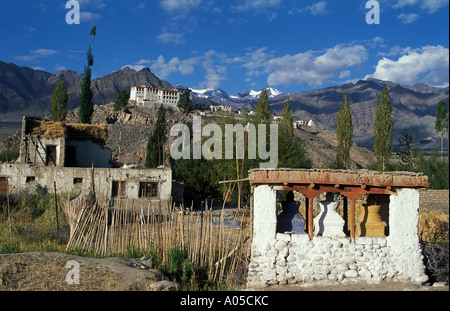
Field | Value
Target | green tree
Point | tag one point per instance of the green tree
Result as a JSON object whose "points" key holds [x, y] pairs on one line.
{"points": [[59, 101], [157, 140], [407, 151], [121, 100], [384, 130], [344, 133], [437, 170], [185, 103], [86, 106], [291, 149], [441, 123], [262, 111]]}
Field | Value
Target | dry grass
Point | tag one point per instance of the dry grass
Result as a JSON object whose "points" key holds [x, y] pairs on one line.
{"points": [[433, 226], [50, 129]]}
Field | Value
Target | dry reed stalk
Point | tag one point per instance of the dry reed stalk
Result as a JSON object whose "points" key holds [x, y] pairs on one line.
{"points": [[80, 225], [89, 223]]}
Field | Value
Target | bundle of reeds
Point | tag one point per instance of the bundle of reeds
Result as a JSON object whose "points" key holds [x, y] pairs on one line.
{"points": [[160, 227]]}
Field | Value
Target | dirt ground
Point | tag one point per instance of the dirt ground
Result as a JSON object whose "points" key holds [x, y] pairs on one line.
{"points": [[43, 271]]}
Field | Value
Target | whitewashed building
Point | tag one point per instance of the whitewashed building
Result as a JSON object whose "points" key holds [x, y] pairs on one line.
{"points": [[148, 96]]}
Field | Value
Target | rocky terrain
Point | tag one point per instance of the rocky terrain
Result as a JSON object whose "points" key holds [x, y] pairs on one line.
{"points": [[44, 271], [27, 91], [130, 131]]}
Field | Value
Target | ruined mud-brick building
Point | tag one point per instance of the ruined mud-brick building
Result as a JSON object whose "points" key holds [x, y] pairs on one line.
{"points": [[338, 247], [73, 157]]}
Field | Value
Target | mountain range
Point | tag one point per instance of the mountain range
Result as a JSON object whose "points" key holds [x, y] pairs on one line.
{"points": [[27, 91], [222, 97]]}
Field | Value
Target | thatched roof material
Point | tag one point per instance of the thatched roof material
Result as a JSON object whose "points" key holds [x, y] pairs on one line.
{"points": [[51, 129]]}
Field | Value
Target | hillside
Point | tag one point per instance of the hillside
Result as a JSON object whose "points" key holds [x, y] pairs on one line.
{"points": [[27, 91], [24, 91]]}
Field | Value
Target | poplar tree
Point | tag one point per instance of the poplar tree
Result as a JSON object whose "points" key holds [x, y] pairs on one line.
{"points": [[344, 134], [291, 149], [157, 140], [121, 100], [185, 103], [86, 107], [286, 128], [262, 111], [441, 123], [59, 101], [384, 130], [407, 151]]}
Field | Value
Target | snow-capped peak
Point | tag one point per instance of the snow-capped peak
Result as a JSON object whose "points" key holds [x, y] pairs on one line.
{"points": [[220, 96], [271, 92]]}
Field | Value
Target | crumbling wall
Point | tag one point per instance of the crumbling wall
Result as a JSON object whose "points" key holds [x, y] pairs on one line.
{"points": [[22, 176]]}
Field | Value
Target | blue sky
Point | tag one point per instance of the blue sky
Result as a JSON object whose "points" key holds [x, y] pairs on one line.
{"points": [[236, 45]]}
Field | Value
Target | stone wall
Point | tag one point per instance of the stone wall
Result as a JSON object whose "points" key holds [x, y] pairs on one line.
{"points": [[434, 200], [296, 259], [75, 180], [281, 258]]}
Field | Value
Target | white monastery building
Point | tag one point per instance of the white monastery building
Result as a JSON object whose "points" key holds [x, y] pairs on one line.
{"points": [[148, 96]]}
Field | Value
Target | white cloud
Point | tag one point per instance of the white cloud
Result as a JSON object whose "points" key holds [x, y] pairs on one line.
{"points": [[38, 68], [60, 68], [408, 18], [169, 37], [344, 74], [431, 6], [97, 4], [173, 6], [317, 8], [43, 52], [429, 64], [163, 69], [36, 54], [258, 5], [89, 17], [309, 68]]}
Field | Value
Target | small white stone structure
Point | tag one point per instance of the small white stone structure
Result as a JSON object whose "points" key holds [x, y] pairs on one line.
{"points": [[329, 223], [281, 258]]}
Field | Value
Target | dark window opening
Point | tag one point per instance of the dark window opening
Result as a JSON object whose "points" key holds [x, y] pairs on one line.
{"points": [[148, 190], [77, 181], [71, 156], [50, 156], [30, 179], [119, 189]]}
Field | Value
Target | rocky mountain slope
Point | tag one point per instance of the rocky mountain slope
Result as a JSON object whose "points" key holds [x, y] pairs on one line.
{"points": [[27, 91], [414, 108]]}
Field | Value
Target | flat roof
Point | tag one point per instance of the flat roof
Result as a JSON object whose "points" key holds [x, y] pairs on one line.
{"points": [[338, 177]]}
